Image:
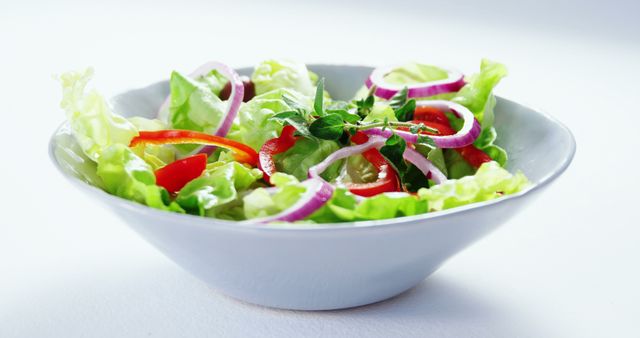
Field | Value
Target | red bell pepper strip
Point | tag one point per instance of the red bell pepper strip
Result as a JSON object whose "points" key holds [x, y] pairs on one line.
{"points": [[242, 152], [434, 118], [275, 146], [176, 175], [387, 177]]}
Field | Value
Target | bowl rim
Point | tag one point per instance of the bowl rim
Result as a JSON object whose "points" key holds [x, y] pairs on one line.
{"points": [[132, 206]]}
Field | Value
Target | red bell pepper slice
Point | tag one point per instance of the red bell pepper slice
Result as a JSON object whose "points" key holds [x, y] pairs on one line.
{"points": [[275, 146], [436, 119], [176, 175], [242, 152], [387, 177]]}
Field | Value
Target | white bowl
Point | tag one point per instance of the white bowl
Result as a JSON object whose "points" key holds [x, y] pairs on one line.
{"points": [[333, 266]]}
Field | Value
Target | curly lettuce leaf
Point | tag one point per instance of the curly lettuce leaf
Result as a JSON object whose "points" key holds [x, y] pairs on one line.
{"points": [[489, 182], [125, 174], [254, 125], [92, 122], [277, 74], [215, 192]]}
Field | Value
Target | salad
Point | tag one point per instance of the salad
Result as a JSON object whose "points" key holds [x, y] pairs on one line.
{"points": [[276, 147]]}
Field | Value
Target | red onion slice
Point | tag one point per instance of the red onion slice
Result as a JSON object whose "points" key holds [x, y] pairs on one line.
{"points": [[427, 167], [317, 194], [233, 105], [464, 137], [385, 90]]}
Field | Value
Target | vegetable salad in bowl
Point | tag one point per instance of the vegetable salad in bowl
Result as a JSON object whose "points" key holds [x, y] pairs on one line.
{"points": [[275, 147]]}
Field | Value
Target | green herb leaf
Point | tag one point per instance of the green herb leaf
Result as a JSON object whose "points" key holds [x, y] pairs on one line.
{"points": [[399, 99], [364, 106], [414, 179], [422, 139], [405, 113], [346, 116], [318, 103], [293, 104], [328, 127], [294, 118], [393, 149]]}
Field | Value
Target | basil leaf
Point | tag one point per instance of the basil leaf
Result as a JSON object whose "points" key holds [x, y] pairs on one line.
{"points": [[346, 116], [414, 179], [328, 127], [405, 113], [399, 99], [393, 149], [422, 139], [293, 104], [294, 118], [364, 106]]}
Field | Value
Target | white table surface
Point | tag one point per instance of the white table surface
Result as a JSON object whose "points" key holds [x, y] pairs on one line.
{"points": [[565, 267]]}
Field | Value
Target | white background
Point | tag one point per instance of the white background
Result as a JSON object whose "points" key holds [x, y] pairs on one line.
{"points": [[565, 267]]}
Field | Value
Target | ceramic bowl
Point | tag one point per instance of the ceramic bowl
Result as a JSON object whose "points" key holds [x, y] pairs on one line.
{"points": [[333, 266]]}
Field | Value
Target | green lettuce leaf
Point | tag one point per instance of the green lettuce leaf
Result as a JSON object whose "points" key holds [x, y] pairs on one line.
{"points": [[343, 207], [412, 72], [305, 154], [262, 203], [379, 113], [73, 160], [254, 126], [217, 189], [485, 142], [214, 80], [489, 182], [194, 106], [477, 94], [92, 122], [125, 174], [277, 74]]}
